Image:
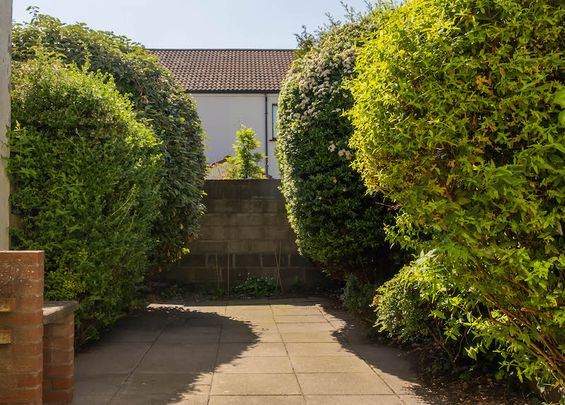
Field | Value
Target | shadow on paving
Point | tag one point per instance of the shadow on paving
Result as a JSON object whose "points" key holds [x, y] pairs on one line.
{"points": [[165, 354], [395, 366]]}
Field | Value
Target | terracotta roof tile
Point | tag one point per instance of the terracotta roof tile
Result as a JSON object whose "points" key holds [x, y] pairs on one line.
{"points": [[227, 70]]}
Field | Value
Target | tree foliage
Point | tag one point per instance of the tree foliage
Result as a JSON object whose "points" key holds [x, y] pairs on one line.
{"points": [[457, 120], [85, 187], [156, 98], [336, 222], [243, 165]]}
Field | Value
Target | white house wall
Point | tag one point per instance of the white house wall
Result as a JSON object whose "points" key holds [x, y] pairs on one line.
{"points": [[222, 115], [5, 28]]}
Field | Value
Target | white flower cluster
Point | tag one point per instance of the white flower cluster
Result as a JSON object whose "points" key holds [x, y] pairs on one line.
{"points": [[345, 153], [342, 152]]}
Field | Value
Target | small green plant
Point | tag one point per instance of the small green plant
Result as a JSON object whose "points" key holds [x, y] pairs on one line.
{"points": [[256, 287], [243, 165]]}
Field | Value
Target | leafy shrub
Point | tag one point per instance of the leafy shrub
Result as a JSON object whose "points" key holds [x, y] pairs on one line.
{"points": [[256, 287], [357, 296], [420, 307], [243, 165], [156, 98], [456, 121], [85, 187], [337, 224]]}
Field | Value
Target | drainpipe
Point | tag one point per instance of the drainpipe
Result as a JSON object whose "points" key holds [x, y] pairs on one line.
{"points": [[267, 134]]}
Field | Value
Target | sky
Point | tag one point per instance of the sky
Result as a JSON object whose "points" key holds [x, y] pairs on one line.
{"points": [[195, 23]]}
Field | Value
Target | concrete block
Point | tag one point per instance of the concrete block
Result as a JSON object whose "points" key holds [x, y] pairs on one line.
{"points": [[270, 260], [208, 246], [247, 233], [193, 260], [247, 260], [215, 219], [219, 206], [240, 246], [242, 188], [265, 246], [279, 233], [215, 233], [299, 261]]}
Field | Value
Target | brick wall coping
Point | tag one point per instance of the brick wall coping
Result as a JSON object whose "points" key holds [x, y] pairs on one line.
{"points": [[54, 311]]}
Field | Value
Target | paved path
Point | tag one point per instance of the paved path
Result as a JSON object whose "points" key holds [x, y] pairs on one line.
{"points": [[240, 353]]}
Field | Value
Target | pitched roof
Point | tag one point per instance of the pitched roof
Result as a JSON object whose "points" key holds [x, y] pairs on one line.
{"points": [[227, 70]]}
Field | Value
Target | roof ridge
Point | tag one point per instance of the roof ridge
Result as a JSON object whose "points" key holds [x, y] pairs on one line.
{"points": [[223, 49]]}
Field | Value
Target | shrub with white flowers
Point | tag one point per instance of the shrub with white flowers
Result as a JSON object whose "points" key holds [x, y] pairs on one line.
{"points": [[336, 222]]}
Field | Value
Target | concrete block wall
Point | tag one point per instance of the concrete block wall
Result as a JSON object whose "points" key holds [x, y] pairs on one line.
{"points": [[244, 231]]}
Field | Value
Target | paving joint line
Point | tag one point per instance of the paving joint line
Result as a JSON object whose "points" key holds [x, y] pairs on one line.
{"points": [[288, 356], [123, 383], [217, 354]]}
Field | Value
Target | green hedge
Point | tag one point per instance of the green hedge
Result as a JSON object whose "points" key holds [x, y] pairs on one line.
{"points": [[456, 120], [337, 224], [156, 98], [85, 187]]}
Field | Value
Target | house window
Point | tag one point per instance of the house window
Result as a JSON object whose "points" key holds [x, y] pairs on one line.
{"points": [[274, 114]]}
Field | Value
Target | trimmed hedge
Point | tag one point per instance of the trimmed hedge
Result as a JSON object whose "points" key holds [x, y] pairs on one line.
{"points": [[337, 224], [156, 98], [85, 187], [456, 115]]}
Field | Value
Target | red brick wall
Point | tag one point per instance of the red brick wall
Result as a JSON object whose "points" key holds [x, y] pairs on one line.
{"points": [[58, 361], [21, 327]]}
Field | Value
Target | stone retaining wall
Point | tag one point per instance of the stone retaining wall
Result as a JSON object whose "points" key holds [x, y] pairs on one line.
{"points": [[245, 231]]}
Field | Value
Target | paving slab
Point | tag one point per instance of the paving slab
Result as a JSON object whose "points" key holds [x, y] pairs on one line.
{"points": [[353, 400], [260, 352], [160, 399], [256, 365], [188, 333], [255, 384], [317, 349], [342, 383], [228, 351], [329, 364], [300, 319], [110, 358], [305, 327], [309, 337], [97, 389], [296, 310], [258, 400], [179, 358]]}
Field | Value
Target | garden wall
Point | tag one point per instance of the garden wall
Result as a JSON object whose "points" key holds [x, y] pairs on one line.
{"points": [[36, 338], [5, 26], [245, 231]]}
